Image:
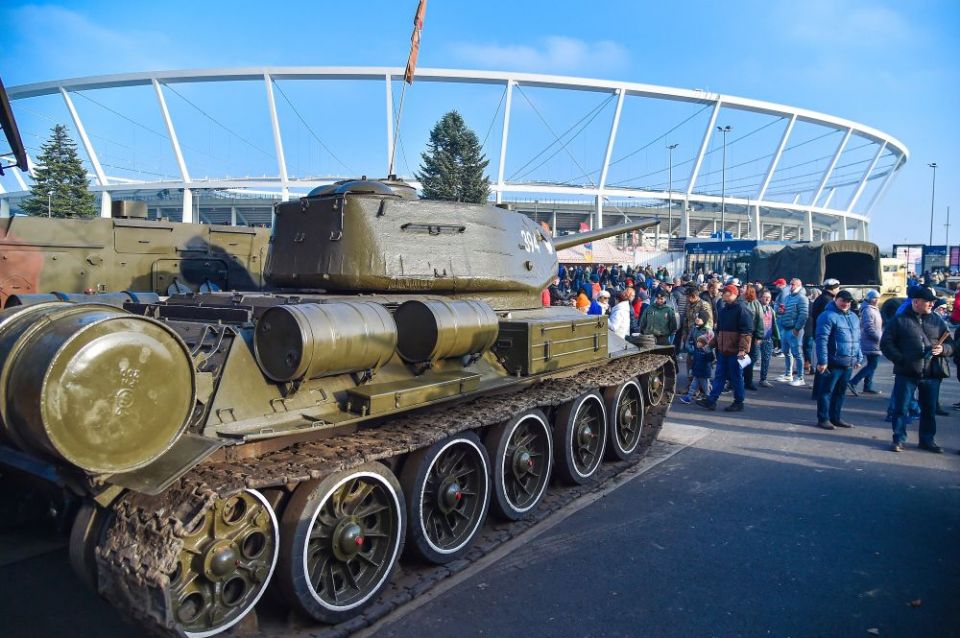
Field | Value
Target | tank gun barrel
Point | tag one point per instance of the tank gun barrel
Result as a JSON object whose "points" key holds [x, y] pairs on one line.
{"points": [[568, 241]]}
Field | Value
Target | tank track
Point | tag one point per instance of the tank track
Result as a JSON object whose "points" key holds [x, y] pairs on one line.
{"points": [[141, 548]]}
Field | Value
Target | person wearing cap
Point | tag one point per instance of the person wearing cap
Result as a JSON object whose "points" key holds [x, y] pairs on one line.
{"points": [[912, 341], [871, 328], [731, 340], [793, 318], [659, 320], [776, 288], [829, 291], [838, 352]]}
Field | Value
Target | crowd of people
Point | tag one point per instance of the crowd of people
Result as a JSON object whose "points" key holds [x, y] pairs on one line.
{"points": [[728, 332]]}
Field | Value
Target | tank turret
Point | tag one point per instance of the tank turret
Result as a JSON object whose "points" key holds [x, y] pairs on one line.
{"points": [[370, 237]]}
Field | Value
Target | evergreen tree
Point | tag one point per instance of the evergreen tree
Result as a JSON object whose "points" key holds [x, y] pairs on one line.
{"points": [[452, 168], [60, 186]]}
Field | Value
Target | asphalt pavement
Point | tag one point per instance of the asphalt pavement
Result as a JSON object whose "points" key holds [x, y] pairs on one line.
{"points": [[766, 526], [769, 526]]}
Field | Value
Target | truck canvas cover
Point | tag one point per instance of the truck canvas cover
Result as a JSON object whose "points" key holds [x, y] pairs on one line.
{"points": [[852, 262]]}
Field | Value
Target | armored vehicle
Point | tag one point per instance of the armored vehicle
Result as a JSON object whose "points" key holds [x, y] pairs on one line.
{"points": [[401, 380], [127, 252]]}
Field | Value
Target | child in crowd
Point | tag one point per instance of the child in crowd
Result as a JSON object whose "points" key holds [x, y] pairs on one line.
{"points": [[703, 358]]}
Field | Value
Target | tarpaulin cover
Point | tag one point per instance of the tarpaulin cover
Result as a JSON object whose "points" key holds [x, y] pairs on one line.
{"points": [[852, 262]]}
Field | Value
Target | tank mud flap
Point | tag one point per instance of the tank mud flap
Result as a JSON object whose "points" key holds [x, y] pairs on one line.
{"points": [[186, 453]]}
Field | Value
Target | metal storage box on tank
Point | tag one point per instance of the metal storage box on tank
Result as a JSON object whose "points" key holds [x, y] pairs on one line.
{"points": [[562, 338]]}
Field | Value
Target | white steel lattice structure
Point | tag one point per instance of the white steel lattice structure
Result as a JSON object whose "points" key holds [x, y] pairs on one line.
{"points": [[812, 213]]}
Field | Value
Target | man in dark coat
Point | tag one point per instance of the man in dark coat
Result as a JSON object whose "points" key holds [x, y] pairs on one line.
{"points": [[912, 341], [731, 340]]}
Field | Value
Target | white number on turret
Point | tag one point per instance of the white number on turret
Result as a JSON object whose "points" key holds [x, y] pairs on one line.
{"points": [[531, 243]]}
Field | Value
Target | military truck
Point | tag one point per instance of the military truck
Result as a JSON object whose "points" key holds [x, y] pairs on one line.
{"points": [[401, 380], [855, 264]]}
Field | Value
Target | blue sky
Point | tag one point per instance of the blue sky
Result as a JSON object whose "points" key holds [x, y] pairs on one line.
{"points": [[891, 65]]}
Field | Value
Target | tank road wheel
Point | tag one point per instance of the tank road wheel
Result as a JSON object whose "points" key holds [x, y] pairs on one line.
{"points": [[225, 564], [625, 423], [448, 488], [581, 435], [522, 451], [86, 533], [656, 385], [341, 539]]}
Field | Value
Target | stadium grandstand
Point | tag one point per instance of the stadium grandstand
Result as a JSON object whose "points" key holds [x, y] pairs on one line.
{"points": [[224, 145]]}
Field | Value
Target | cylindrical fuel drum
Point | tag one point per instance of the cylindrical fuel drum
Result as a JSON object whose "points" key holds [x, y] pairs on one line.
{"points": [[98, 387], [440, 329], [312, 340]]}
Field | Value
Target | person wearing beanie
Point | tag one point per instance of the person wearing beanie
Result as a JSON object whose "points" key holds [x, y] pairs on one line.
{"points": [[582, 302], [603, 300], [731, 341]]}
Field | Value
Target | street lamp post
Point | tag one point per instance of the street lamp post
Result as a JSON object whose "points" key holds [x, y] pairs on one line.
{"points": [[723, 181], [947, 228], [933, 194], [670, 192], [49, 203]]}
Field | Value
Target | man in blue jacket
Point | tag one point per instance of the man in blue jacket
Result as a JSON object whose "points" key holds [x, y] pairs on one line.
{"points": [[838, 351]]}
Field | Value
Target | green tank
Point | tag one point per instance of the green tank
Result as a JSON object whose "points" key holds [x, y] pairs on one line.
{"points": [[126, 252], [400, 382]]}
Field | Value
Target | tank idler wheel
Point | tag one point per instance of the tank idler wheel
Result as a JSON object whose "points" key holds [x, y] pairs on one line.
{"points": [[341, 539], [580, 435], [225, 565], [625, 407], [448, 491], [87, 531], [656, 385], [522, 455]]}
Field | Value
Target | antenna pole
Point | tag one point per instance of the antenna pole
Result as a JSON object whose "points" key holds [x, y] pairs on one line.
{"points": [[396, 130]]}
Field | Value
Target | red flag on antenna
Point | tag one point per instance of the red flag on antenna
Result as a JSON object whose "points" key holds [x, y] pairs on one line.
{"points": [[415, 42]]}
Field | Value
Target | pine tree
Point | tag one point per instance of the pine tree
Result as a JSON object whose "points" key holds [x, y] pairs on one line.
{"points": [[452, 168], [60, 186]]}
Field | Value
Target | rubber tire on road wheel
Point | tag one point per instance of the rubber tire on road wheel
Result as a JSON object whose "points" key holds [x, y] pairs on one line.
{"points": [[498, 440], [297, 523], [412, 480], [565, 428], [87, 532], [613, 396]]}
